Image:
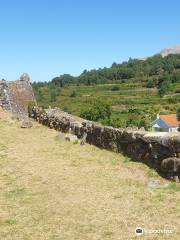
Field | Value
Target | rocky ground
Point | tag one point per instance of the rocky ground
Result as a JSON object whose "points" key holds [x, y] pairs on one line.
{"points": [[53, 189]]}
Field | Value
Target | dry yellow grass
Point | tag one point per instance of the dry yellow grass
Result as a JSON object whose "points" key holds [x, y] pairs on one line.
{"points": [[53, 190]]}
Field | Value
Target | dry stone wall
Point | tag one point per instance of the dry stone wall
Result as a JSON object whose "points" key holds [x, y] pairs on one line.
{"points": [[160, 151], [16, 95]]}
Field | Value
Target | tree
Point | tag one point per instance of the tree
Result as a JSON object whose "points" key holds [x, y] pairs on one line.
{"points": [[164, 84], [164, 88], [63, 80]]}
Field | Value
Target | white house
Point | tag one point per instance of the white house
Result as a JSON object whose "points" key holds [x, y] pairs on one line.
{"points": [[166, 123]]}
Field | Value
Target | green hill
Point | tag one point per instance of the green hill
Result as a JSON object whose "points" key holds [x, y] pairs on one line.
{"points": [[135, 90]]}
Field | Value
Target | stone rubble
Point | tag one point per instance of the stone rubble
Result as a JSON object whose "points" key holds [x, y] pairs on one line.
{"points": [[26, 123]]}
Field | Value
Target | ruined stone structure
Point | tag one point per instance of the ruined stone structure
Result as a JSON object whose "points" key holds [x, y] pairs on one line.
{"points": [[16, 95], [160, 151]]}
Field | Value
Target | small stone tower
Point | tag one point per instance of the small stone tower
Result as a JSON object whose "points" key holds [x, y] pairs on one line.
{"points": [[15, 96]]}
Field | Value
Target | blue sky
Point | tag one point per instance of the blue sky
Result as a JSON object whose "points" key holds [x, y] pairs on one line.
{"points": [[47, 38]]}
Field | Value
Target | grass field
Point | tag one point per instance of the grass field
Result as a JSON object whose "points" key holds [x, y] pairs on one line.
{"points": [[57, 190]]}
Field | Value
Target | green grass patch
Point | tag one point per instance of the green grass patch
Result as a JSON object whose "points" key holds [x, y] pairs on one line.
{"points": [[175, 187], [152, 173], [16, 193], [126, 159], [10, 221]]}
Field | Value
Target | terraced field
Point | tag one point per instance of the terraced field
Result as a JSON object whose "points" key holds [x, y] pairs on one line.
{"points": [[127, 97]]}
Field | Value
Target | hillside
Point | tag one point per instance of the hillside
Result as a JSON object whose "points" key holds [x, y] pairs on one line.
{"points": [[51, 189], [130, 102], [135, 90]]}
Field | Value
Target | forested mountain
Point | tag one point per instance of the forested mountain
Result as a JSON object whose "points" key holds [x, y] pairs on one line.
{"points": [[154, 70]]}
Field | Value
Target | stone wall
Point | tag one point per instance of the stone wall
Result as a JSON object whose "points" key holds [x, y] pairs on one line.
{"points": [[16, 95], [160, 151]]}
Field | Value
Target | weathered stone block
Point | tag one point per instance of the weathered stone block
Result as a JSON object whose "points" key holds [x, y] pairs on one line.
{"points": [[15, 96]]}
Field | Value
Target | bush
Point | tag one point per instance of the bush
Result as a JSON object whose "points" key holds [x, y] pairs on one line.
{"points": [[139, 120], [164, 88], [115, 121], [115, 88], [175, 99], [135, 110], [151, 84], [73, 94], [97, 111]]}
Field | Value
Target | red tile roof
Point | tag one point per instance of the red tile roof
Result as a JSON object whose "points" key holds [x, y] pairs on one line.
{"points": [[170, 119]]}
